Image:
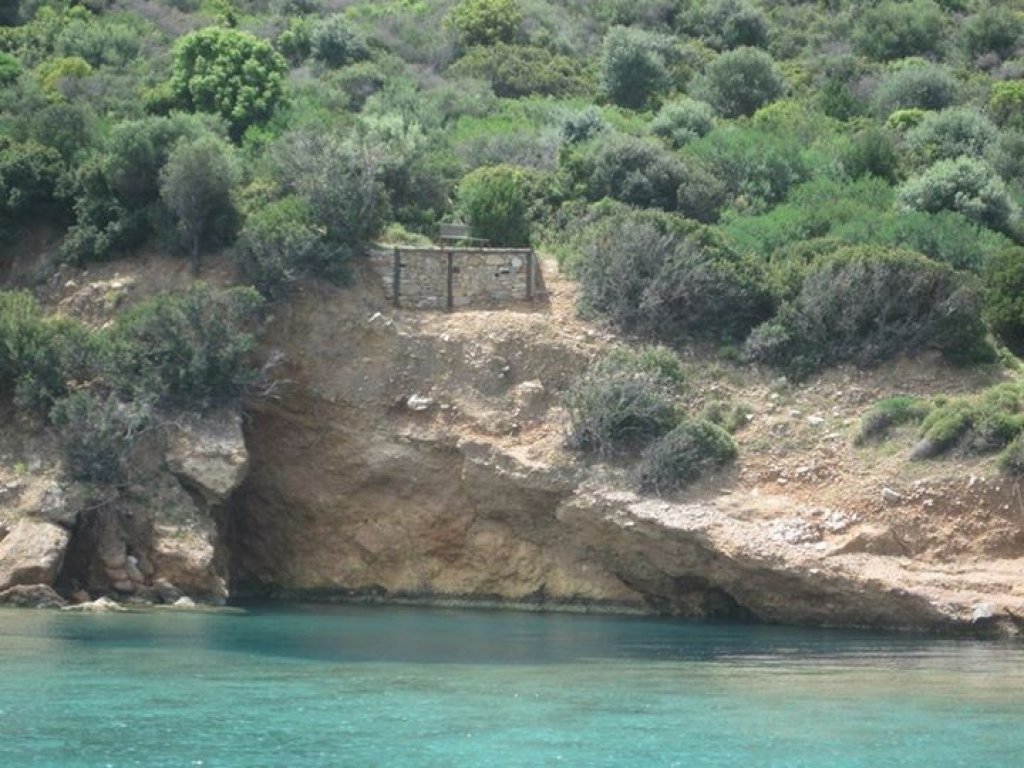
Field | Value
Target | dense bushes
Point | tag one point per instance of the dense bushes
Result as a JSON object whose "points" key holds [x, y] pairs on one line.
{"points": [[896, 30], [100, 387], [964, 185], [1004, 303], [669, 280], [866, 304], [626, 405]]}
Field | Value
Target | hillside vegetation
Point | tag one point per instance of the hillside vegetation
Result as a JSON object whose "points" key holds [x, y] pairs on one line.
{"points": [[792, 184]]}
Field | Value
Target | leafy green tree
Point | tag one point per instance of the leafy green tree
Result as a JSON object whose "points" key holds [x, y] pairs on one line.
{"points": [[336, 43], [964, 185], [897, 30], [634, 68], [740, 82], [493, 200], [229, 73], [98, 433], [196, 185], [484, 22]]}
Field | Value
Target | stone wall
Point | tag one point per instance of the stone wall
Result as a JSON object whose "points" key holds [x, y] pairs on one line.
{"points": [[452, 278]]}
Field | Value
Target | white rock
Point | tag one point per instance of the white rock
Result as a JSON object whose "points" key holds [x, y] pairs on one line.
{"points": [[419, 403], [891, 497]]}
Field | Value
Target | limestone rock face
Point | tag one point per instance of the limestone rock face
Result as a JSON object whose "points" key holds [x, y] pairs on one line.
{"points": [[208, 455], [32, 553], [352, 492]]}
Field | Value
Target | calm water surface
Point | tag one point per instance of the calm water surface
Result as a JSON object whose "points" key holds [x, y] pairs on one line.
{"points": [[352, 686]]}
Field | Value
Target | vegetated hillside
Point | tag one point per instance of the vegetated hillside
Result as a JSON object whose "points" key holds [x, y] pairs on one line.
{"points": [[784, 186]]}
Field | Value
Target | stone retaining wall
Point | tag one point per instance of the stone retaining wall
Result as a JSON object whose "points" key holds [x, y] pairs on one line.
{"points": [[452, 278]]}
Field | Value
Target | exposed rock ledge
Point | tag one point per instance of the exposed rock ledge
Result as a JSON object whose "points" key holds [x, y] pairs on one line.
{"points": [[356, 490]]}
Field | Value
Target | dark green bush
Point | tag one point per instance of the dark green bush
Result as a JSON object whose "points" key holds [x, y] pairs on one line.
{"points": [[279, 243], [728, 24], [866, 304], [634, 66], [915, 84], [619, 411], [521, 70], [896, 30], [640, 172], [1004, 299], [98, 433], [891, 412], [658, 362], [740, 82], [647, 278], [684, 455], [997, 29], [336, 43], [193, 348]]}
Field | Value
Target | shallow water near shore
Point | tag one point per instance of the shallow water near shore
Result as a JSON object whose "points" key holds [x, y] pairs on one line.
{"points": [[382, 686]]}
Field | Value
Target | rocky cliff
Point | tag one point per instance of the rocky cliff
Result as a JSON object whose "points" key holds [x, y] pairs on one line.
{"points": [[419, 456]]}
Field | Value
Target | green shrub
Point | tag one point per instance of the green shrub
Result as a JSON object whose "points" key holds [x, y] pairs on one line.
{"points": [[654, 360], [29, 173], [634, 67], [731, 417], [38, 355], [997, 29], [10, 69], [494, 202], [684, 455], [669, 284], [866, 304], [484, 22], [1004, 299], [97, 434], [336, 43], [619, 411], [740, 82], [896, 30], [972, 425], [682, 120], [1007, 103], [728, 24], [757, 168], [965, 185], [279, 243], [636, 171], [1012, 459], [949, 134], [915, 85], [522, 70], [891, 412], [193, 348], [871, 152]]}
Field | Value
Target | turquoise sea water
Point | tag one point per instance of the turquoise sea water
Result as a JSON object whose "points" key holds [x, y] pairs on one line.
{"points": [[360, 686]]}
